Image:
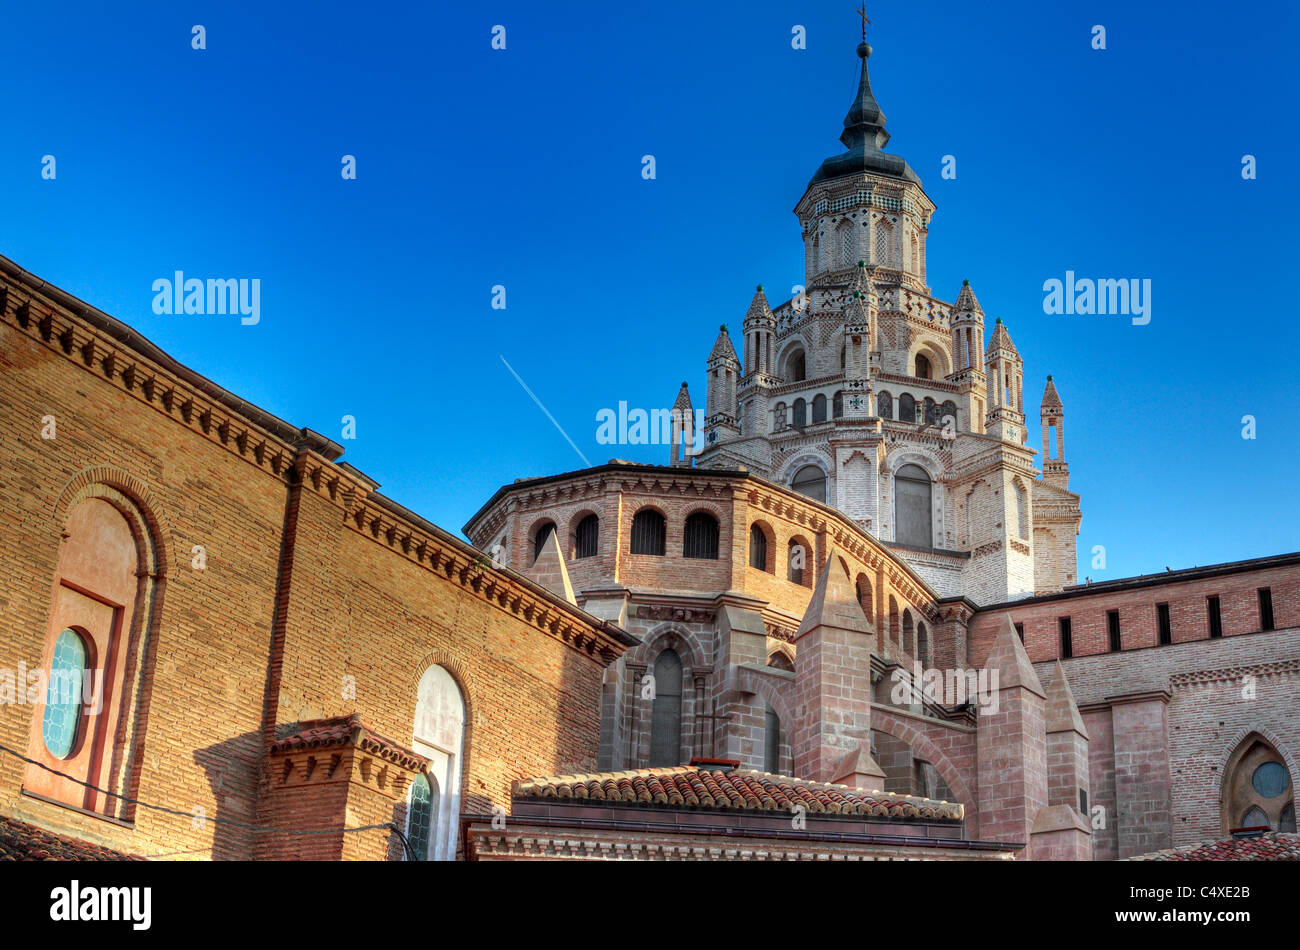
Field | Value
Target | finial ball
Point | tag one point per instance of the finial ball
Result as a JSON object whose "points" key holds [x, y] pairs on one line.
{"points": [[864, 50], [759, 288]]}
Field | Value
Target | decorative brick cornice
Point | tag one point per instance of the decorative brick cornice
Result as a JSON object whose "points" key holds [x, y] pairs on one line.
{"points": [[1234, 673], [188, 402], [462, 564]]}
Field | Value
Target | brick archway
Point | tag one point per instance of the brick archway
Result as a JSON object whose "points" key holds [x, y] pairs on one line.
{"points": [[917, 741]]}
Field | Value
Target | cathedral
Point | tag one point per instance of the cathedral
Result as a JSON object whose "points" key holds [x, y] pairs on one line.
{"points": [[869, 394], [847, 628]]}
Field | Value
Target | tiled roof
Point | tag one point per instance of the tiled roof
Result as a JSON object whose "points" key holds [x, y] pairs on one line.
{"points": [[1272, 846], [685, 786], [343, 730], [20, 841]]}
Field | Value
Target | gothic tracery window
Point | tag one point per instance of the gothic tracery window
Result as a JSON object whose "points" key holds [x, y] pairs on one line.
{"points": [[666, 711]]}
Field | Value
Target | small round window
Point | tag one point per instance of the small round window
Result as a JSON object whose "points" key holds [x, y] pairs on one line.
{"points": [[63, 694], [1270, 779]]}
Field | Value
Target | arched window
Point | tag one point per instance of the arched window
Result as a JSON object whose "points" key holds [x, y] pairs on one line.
{"points": [[795, 367], [779, 661], [771, 741], [419, 818], [1257, 788], [837, 405], [931, 413], [884, 244], [912, 507], [844, 241], [906, 408], [439, 736], [1022, 510], [700, 539], [844, 355], [819, 408], [61, 724], [539, 539], [894, 624], [811, 481], [863, 587], [648, 532], [107, 587], [908, 631], [797, 558], [948, 411], [800, 413], [757, 547], [922, 642], [666, 711], [885, 405], [922, 366], [586, 537]]}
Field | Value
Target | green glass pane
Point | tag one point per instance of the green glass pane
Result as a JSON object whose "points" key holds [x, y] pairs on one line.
{"points": [[63, 694], [417, 825]]}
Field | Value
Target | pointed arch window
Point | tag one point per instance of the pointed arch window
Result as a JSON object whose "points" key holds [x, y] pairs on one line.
{"points": [[666, 711], [1257, 788], [771, 741]]}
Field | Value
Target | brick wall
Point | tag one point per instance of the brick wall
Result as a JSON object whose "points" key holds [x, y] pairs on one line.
{"points": [[341, 614]]}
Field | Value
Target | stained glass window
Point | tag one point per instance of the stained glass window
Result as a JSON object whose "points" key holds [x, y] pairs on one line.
{"points": [[1270, 779], [417, 821], [63, 694]]}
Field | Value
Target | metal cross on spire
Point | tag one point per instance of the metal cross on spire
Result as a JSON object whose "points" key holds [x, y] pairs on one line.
{"points": [[862, 12]]}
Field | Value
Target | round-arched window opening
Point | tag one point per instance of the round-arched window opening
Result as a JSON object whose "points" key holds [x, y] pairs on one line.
{"points": [[810, 481], [797, 368], [63, 694], [913, 507], [418, 824], [1270, 779], [539, 540], [922, 367]]}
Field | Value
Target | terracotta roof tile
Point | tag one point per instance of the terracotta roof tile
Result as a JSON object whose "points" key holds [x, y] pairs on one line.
{"points": [[743, 789], [1272, 846], [342, 730], [20, 841]]}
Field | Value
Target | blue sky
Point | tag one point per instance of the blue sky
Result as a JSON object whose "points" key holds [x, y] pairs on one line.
{"points": [[478, 167]]}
